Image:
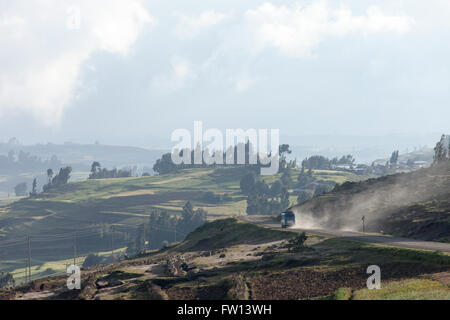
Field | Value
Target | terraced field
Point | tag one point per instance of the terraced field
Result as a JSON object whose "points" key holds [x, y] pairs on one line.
{"points": [[90, 208]]}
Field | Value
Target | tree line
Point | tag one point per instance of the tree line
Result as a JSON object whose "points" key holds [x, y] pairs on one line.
{"points": [[97, 172], [269, 199], [24, 161], [163, 228], [165, 165], [323, 163], [53, 182]]}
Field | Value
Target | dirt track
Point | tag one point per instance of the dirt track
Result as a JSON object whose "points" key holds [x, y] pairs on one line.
{"points": [[389, 241]]}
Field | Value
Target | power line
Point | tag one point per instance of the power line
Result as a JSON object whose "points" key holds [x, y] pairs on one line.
{"points": [[88, 231], [74, 248]]}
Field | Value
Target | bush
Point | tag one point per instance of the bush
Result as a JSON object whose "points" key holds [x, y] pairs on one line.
{"points": [[321, 189], [298, 242], [21, 189], [6, 280], [92, 260]]}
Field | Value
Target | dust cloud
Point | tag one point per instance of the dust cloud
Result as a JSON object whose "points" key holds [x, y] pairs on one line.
{"points": [[376, 199]]}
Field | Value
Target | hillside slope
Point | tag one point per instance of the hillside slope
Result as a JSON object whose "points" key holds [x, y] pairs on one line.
{"points": [[231, 259], [414, 205]]}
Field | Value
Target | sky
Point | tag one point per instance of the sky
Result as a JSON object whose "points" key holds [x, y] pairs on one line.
{"points": [[132, 71]]}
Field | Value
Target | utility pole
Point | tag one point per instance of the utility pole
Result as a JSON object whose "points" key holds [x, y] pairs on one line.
{"points": [[74, 248], [144, 236], [26, 265], [363, 219], [29, 259]]}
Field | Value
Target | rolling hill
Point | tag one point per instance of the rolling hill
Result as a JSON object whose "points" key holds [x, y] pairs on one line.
{"points": [[414, 205], [92, 208], [235, 260]]}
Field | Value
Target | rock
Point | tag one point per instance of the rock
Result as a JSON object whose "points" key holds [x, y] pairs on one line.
{"points": [[103, 283], [222, 256], [174, 267]]}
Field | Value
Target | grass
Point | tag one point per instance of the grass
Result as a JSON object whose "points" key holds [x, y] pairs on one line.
{"points": [[411, 289], [126, 201], [331, 263], [350, 251], [229, 232], [42, 269], [343, 294]]}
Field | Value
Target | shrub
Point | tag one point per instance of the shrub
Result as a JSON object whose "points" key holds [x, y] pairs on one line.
{"points": [[92, 260], [298, 242], [6, 280]]}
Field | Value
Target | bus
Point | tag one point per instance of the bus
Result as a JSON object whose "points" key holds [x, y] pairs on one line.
{"points": [[287, 219]]}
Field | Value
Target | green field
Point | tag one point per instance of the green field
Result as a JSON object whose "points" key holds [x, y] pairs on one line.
{"points": [[91, 207]]}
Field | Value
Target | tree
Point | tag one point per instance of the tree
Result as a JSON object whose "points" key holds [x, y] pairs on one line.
{"points": [[282, 150], [304, 178], [275, 189], [286, 179], [165, 165], [261, 188], [98, 173], [440, 151], [49, 175], [95, 167], [285, 203], [191, 219], [394, 158], [247, 183], [62, 177], [304, 196], [321, 189], [140, 240], [34, 188], [316, 162], [21, 189]]}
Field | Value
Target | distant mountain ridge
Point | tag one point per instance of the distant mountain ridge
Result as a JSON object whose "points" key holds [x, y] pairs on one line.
{"points": [[84, 154]]}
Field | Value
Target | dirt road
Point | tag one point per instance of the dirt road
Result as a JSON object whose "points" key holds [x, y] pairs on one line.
{"points": [[366, 237]]}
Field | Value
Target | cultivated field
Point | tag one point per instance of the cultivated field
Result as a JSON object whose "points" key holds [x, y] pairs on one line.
{"points": [[90, 208]]}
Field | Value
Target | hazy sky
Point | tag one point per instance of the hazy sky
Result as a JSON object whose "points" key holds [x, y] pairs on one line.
{"points": [[136, 70]]}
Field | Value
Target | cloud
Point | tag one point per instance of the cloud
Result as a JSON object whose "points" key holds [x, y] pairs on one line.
{"points": [[43, 57], [244, 81], [191, 26], [297, 30], [182, 72]]}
